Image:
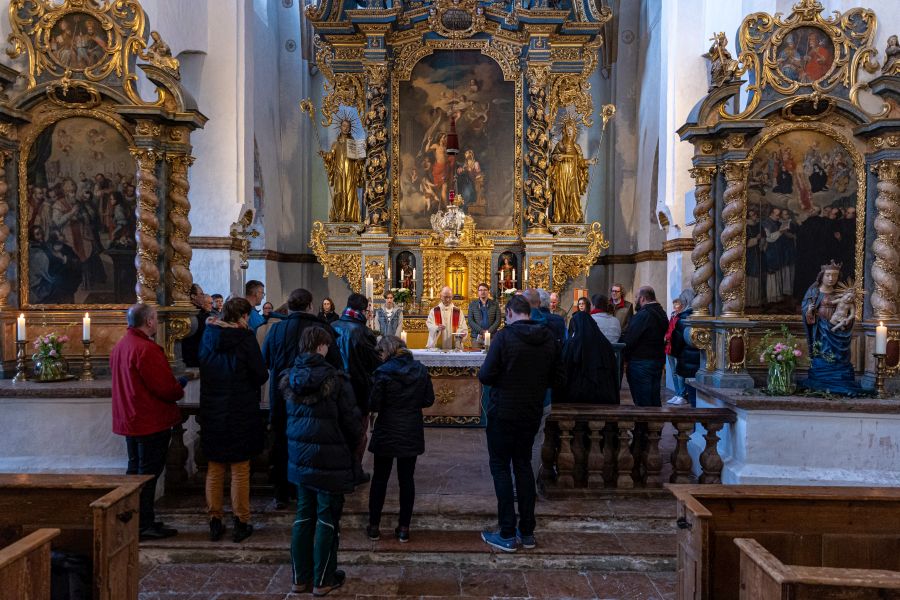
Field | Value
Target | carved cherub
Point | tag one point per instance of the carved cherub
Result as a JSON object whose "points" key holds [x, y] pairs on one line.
{"points": [[722, 65], [845, 311], [892, 57]]}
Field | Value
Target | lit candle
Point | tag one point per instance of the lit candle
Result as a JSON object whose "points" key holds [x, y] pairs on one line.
{"points": [[86, 328], [403, 336], [389, 275], [880, 339], [414, 274], [370, 285], [20, 328], [487, 339], [514, 275], [526, 275]]}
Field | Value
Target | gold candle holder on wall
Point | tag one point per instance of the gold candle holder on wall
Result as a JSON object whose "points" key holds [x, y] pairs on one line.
{"points": [[880, 372], [21, 375]]}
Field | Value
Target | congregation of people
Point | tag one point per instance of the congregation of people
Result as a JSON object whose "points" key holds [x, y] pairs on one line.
{"points": [[331, 377]]}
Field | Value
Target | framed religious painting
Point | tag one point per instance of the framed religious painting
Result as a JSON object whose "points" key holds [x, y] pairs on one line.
{"points": [[471, 91], [78, 200], [804, 197], [805, 55]]}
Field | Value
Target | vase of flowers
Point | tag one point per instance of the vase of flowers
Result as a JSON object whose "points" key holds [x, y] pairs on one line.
{"points": [[49, 364], [401, 295], [780, 351]]}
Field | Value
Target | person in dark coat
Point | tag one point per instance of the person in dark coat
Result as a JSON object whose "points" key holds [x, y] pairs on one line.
{"points": [[190, 346], [323, 427], [687, 357], [592, 374], [521, 364], [356, 343], [644, 351], [401, 388], [327, 313], [232, 372], [280, 349]]}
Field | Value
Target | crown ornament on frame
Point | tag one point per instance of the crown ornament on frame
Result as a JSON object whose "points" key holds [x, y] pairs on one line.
{"points": [[804, 52]]}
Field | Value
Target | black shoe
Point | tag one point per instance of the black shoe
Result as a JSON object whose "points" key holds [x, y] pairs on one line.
{"points": [[157, 532], [216, 529], [323, 590], [402, 534], [241, 531], [373, 533]]}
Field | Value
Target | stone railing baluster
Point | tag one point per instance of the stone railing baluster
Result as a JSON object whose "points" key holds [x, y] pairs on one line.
{"points": [[624, 459], [595, 459], [652, 457], [565, 461], [681, 459], [710, 461], [549, 454]]}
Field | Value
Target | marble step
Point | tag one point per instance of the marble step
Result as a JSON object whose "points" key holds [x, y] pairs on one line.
{"points": [[269, 544]]}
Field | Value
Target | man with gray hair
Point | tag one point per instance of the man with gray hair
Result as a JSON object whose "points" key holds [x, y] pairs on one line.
{"points": [[144, 393]]}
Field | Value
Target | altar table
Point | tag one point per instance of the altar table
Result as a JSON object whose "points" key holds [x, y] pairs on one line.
{"points": [[457, 391]]}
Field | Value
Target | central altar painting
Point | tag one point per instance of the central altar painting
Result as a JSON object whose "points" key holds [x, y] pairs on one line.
{"points": [[468, 88]]}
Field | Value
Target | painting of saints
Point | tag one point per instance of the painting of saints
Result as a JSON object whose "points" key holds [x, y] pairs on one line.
{"points": [[77, 41], [806, 55]]}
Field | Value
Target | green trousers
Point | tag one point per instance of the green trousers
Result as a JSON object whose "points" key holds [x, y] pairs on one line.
{"points": [[315, 536]]}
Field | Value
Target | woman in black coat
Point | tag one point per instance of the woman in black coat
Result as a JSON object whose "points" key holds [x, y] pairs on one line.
{"points": [[401, 388], [592, 376], [232, 373]]}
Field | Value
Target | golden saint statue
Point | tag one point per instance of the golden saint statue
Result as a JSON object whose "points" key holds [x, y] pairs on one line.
{"points": [[569, 175], [345, 174]]}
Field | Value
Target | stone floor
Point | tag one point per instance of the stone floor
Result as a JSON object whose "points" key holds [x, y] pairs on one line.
{"points": [[621, 547]]}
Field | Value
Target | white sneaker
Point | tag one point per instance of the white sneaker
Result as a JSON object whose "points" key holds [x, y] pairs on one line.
{"points": [[675, 400]]}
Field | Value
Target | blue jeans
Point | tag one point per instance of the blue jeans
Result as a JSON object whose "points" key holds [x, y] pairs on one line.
{"points": [[147, 456], [315, 536], [677, 380], [644, 380], [510, 442]]}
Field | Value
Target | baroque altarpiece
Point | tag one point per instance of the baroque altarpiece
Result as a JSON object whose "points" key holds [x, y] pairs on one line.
{"points": [[94, 179], [467, 109], [796, 165]]}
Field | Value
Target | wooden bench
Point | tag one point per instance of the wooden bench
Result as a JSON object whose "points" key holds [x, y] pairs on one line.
{"points": [[25, 567], [764, 577], [834, 527], [97, 516]]}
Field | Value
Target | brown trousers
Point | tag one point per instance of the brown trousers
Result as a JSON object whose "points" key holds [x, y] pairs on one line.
{"points": [[240, 489]]}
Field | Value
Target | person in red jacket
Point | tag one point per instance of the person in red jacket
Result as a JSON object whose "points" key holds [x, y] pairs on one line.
{"points": [[144, 393]]}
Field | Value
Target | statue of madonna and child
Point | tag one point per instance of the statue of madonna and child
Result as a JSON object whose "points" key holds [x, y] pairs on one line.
{"points": [[829, 312]]}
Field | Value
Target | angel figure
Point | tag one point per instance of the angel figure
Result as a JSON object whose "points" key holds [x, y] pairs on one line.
{"points": [[845, 311], [345, 175], [722, 64]]}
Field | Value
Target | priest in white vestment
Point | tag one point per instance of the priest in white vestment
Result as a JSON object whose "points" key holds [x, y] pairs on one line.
{"points": [[443, 321]]}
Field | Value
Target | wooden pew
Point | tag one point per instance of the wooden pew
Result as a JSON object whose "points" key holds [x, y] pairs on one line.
{"points": [[836, 527], [764, 577], [25, 567], [97, 516]]}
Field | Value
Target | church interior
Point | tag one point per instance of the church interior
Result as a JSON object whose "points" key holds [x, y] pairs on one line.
{"points": [[740, 158]]}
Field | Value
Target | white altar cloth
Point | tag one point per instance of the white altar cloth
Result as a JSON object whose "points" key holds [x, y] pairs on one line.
{"points": [[439, 358]]}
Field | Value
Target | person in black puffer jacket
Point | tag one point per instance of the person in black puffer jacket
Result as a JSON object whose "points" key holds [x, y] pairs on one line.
{"points": [[401, 388], [323, 426], [645, 349], [232, 373]]}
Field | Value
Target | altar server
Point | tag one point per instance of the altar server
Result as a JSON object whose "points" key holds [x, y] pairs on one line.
{"points": [[443, 321]]}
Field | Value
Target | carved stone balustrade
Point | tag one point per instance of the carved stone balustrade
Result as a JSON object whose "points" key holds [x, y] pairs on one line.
{"points": [[595, 448]]}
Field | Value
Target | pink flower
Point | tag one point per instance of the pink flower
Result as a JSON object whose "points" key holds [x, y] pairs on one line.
{"points": [[797, 353], [64, 339], [778, 346], [779, 357], [53, 353]]}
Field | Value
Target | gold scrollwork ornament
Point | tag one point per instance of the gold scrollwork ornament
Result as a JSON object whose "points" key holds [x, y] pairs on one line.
{"points": [[347, 265]]}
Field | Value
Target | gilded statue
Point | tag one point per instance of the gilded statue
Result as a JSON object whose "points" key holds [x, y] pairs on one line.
{"points": [[892, 57], [345, 175], [160, 55], [568, 175], [722, 65]]}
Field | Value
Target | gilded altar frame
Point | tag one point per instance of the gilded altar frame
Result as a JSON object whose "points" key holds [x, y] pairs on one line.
{"points": [[728, 137]]}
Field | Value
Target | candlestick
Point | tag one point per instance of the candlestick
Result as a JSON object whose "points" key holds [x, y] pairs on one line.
{"points": [[20, 328], [20, 361], [880, 339], [87, 369], [879, 375], [487, 340], [86, 327], [514, 276]]}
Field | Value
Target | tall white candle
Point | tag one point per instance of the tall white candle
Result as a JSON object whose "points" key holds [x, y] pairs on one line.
{"points": [[881, 339], [86, 327], [487, 339], [403, 336], [390, 281], [20, 328], [370, 286], [514, 275], [526, 275]]}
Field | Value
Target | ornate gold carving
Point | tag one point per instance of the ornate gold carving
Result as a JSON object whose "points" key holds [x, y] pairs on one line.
{"points": [[730, 334], [346, 89], [456, 19], [733, 238], [886, 247], [375, 270], [160, 55], [148, 129], [539, 272], [453, 371], [704, 247], [703, 338], [570, 89], [347, 264], [888, 141], [177, 328], [434, 420], [444, 395], [567, 266], [376, 142], [537, 190], [722, 67], [762, 35], [179, 276], [707, 147], [147, 228], [565, 53], [57, 92], [473, 254], [735, 141], [5, 257]]}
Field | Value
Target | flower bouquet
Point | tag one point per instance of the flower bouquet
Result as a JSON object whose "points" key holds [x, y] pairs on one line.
{"points": [[780, 352], [401, 295], [49, 364]]}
